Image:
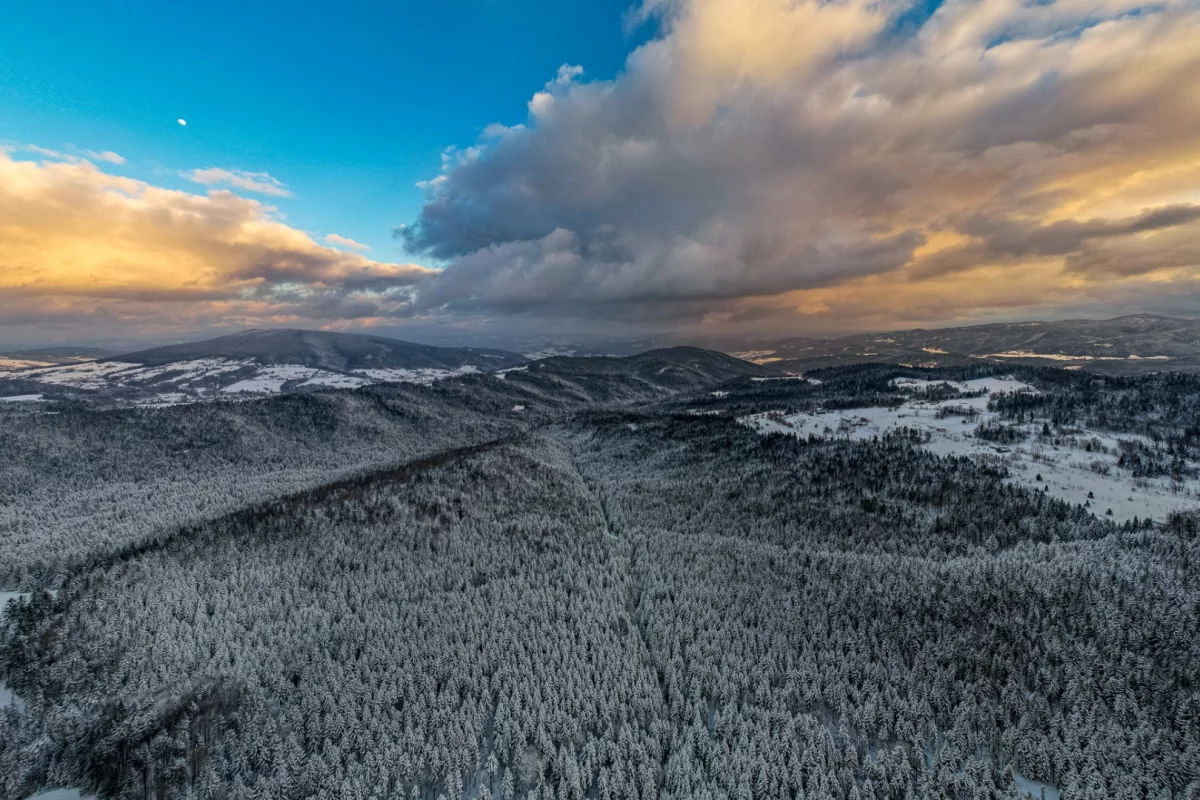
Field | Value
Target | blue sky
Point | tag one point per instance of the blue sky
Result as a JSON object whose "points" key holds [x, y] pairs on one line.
{"points": [[349, 104]]}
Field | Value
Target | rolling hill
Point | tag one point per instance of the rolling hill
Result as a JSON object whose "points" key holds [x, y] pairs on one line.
{"points": [[335, 352], [258, 363], [1131, 344]]}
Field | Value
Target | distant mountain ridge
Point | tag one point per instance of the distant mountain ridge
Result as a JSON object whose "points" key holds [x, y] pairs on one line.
{"points": [[339, 352], [1135, 343], [265, 362], [30, 358], [66, 352]]}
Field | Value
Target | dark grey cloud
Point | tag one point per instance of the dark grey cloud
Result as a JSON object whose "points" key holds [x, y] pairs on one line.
{"points": [[1001, 239], [758, 148]]}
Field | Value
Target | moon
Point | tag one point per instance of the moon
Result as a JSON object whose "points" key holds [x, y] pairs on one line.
{"points": [[182, 122]]}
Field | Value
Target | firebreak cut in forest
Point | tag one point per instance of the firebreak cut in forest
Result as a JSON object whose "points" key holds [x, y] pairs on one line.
{"points": [[627, 590]]}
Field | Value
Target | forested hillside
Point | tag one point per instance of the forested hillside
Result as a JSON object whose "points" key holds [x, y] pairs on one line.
{"points": [[79, 483], [618, 591]]}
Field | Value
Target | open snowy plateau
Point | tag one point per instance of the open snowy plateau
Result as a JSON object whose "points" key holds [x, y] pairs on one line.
{"points": [[1080, 467]]}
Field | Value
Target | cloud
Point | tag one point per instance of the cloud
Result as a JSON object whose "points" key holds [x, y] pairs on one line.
{"points": [[107, 155], [1008, 239], [342, 241], [258, 182], [834, 163], [77, 243], [43, 151]]}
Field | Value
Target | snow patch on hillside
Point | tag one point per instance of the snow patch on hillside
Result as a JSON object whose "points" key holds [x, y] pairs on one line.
{"points": [[199, 379], [88, 375], [986, 385], [186, 371], [270, 380], [1035, 789], [62, 794]]}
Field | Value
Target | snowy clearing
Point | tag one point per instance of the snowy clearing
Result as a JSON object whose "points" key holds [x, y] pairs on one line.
{"points": [[813, 381], [424, 375], [1061, 357], [164, 400], [21, 398], [1035, 789], [198, 379], [61, 794], [988, 385], [191, 370], [88, 375], [270, 380], [1081, 470]]}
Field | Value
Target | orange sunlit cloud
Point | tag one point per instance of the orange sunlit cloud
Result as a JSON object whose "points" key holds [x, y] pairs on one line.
{"points": [[77, 241]]}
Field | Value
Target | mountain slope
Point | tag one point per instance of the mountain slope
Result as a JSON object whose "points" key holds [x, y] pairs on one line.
{"points": [[13, 360], [674, 368]]}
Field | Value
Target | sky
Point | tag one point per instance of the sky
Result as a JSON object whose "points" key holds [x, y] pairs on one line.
{"points": [[686, 169]]}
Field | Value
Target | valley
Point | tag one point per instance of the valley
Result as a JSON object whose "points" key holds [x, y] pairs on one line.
{"points": [[667, 575]]}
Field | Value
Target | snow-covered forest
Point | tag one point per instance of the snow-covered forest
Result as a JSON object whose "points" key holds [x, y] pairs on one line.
{"points": [[623, 590]]}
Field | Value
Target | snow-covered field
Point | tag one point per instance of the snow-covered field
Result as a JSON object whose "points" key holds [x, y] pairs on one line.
{"points": [[813, 381], [427, 375], [1061, 356], [270, 379], [208, 378], [1068, 471], [10, 364], [88, 375]]}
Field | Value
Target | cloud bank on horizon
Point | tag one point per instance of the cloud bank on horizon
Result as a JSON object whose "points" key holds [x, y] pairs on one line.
{"points": [[783, 163], [765, 165]]}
